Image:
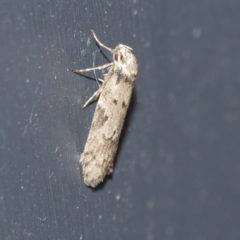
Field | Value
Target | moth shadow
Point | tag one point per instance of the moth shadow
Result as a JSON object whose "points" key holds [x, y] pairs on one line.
{"points": [[103, 54], [85, 76]]}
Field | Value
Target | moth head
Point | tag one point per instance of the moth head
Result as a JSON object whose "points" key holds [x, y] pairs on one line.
{"points": [[122, 54]]}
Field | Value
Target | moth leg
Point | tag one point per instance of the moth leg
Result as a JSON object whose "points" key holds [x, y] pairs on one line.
{"points": [[94, 97], [101, 44], [92, 69], [100, 80]]}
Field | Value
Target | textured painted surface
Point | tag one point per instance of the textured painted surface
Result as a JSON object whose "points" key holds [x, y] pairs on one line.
{"points": [[176, 172]]}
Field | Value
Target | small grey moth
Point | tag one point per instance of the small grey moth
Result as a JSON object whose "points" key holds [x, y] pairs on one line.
{"points": [[113, 96]]}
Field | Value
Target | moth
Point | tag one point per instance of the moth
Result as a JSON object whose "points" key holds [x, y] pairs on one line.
{"points": [[113, 97]]}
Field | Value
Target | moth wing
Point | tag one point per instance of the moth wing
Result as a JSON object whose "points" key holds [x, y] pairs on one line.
{"points": [[98, 161]]}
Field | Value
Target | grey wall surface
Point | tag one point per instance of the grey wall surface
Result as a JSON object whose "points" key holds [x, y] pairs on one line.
{"points": [[177, 171]]}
